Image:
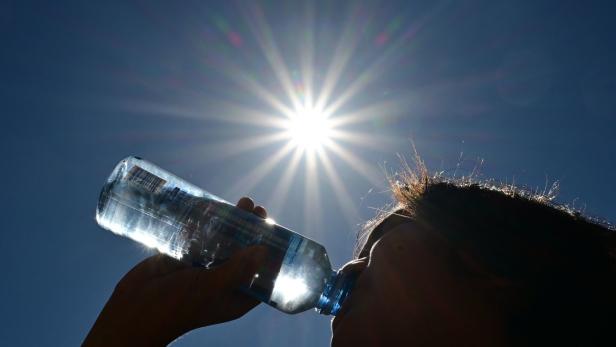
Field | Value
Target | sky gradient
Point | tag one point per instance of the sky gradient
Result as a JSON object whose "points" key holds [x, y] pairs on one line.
{"points": [[523, 90]]}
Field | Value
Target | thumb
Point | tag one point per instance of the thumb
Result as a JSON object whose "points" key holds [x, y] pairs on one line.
{"points": [[243, 265]]}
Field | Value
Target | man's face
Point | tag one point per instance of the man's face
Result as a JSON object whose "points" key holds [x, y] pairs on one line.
{"points": [[415, 289]]}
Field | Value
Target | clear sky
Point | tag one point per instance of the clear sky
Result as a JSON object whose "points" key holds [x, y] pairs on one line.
{"points": [[206, 90]]}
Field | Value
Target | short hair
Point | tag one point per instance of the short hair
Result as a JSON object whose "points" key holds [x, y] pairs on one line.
{"points": [[563, 262]]}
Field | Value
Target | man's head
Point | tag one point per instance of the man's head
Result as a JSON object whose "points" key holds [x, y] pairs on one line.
{"points": [[460, 263]]}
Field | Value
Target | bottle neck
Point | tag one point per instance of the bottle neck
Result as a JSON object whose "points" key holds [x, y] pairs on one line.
{"points": [[335, 291]]}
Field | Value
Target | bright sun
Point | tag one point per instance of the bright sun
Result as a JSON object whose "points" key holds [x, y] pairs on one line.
{"points": [[308, 128]]}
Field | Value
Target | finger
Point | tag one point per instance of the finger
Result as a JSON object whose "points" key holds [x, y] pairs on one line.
{"points": [[260, 211], [238, 305], [223, 283], [157, 265], [241, 267], [246, 204], [152, 267]]}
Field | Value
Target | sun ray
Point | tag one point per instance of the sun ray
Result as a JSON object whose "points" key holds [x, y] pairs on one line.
{"points": [[355, 87], [265, 39], [247, 182], [251, 85], [344, 50], [210, 110], [376, 69], [299, 110], [341, 193], [367, 171], [278, 197], [238, 114], [229, 148], [382, 110], [312, 195], [370, 141], [244, 80], [157, 108], [307, 53]]}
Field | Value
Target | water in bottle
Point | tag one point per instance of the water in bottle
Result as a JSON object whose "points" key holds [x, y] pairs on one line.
{"points": [[156, 208]]}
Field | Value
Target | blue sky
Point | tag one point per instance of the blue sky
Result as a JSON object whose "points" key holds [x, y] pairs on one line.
{"points": [[525, 87]]}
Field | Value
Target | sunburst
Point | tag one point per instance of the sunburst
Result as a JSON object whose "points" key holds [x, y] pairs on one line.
{"points": [[305, 117]]}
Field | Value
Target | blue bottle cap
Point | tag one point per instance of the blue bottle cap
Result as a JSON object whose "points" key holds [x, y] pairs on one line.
{"points": [[336, 290]]}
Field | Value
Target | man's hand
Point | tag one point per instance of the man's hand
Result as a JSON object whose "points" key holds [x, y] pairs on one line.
{"points": [[162, 298]]}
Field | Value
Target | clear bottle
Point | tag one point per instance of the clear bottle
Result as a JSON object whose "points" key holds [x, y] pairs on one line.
{"points": [[156, 208]]}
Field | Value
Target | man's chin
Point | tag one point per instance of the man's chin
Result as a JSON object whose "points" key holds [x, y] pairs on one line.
{"points": [[338, 340], [339, 337], [348, 334]]}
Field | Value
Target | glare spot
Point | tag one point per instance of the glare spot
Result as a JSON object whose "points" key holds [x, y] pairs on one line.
{"points": [[149, 242], [270, 221], [308, 128], [288, 289]]}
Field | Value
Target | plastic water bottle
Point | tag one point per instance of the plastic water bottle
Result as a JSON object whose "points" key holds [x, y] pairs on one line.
{"points": [[156, 208]]}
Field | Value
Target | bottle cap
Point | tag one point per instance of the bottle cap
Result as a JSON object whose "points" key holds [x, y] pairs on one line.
{"points": [[336, 290]]}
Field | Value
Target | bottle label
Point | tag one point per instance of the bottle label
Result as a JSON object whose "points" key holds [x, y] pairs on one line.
{"points": [[145, 179]]}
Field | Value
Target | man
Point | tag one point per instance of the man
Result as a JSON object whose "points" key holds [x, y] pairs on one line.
{"points": [[452, 263]]}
